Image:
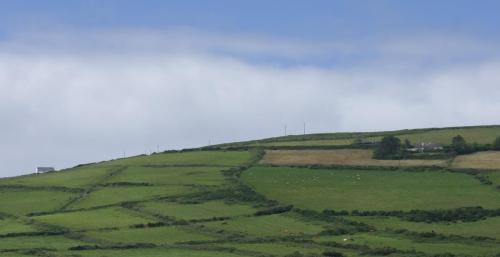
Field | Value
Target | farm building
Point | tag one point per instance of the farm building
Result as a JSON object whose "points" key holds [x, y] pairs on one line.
{"points": [[366, 142], [44, 169], [422, 147]]}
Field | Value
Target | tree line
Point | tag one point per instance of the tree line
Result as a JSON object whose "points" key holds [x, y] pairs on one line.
{"points": [[391, 147]]}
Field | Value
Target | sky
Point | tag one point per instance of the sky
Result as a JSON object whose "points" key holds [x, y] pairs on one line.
{"points": [[84, 81]]}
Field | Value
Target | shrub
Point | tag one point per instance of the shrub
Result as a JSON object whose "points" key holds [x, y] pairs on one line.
{"points": [[332, 254], [496, 144], [390, 147]]}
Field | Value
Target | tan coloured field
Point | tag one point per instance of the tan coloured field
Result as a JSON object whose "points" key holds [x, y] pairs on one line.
{"points": [[355, 157], [481, 160]]}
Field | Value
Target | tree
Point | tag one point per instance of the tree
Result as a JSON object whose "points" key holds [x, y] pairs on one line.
{"points": [[496, 144], [458, 144], [389, 147], [407, 144]]}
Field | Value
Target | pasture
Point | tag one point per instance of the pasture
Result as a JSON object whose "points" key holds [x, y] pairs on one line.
{"points": [[22, 202], [11, 225], [73, 178], [171, 175], [156, 252], [180, 204], [33, 242], [477, 134], [197, 211], [114, 217], [156, 235], [489, 227], [407, 244], [352, 157], [118, 194], [336, 189], [489, 160], [270, 225], [188, 158]]}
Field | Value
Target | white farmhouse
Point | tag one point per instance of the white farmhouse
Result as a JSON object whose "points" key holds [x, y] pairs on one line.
{"points": [[44, 169]]}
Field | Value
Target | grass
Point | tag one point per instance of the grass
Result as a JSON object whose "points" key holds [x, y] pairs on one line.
{"points": [[358, 157], [197, 211], [31, 242], [376, 240], [489, 227], [94, 219], [370, 190], [191, 158], [157, 252], [326, 142], [73, 178], [114, 195], [272, 225], [481, 135], [9, 225], [478, 134], [158, 235], [279, 249], [172, 175], [104, 221], [22, 202], [495, 177], [480, 160]]}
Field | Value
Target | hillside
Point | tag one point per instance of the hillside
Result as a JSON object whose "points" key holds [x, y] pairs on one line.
{"points": [[308, 195]]}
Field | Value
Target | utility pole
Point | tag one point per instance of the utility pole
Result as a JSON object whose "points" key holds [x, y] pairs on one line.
{"points": [[285, 130], [304, 128], [157, 148]]}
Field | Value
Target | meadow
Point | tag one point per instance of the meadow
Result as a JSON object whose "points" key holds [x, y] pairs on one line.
{"points": [[489, 160], [477, 134], [353, 157], [346, 189], [259, 203]]}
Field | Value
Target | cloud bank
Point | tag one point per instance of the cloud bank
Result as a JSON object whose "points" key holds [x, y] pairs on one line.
{"points": [[68, 98]]}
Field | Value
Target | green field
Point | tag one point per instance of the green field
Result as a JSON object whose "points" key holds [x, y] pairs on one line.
{"points": [[116, 195], [407, 244], [72, 178], [158, 235], [172, 175], [193, 158], [197, 211], [22, 202], [94, 219], [321, 189], [270, 225], [480, 134], [10, 225], [30, 242], [217, 203], [157, 252], [489, 227]]}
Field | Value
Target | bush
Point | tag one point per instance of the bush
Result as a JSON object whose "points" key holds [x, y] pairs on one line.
{"points": [[333, 254], [390, 147], [496, 144]]}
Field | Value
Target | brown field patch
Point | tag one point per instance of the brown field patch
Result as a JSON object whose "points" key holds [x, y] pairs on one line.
{"points": [[480, 160], [355, 157]]}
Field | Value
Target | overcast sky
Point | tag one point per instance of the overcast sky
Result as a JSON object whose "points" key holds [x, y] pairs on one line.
{"points": [[84, 81]]}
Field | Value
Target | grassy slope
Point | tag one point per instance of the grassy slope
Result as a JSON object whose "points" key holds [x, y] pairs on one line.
{"points": [[478, 134], [370, 190], [360, 157], [184, 190]]}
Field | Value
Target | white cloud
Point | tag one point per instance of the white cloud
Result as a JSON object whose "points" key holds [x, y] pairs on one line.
{"points": [[66, 107]]}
